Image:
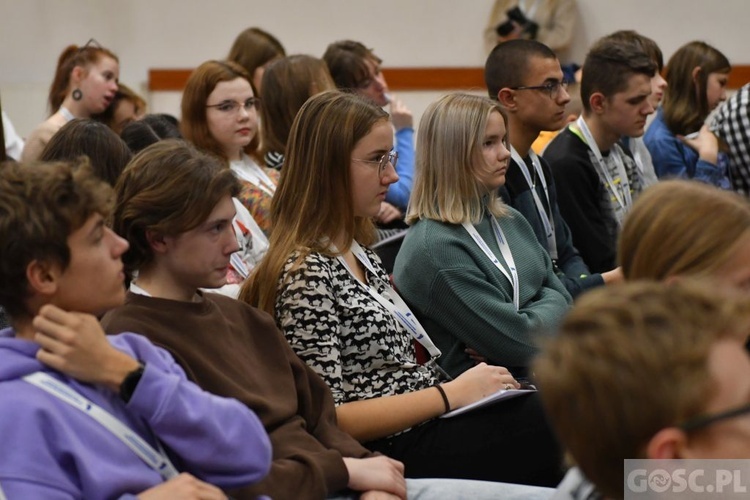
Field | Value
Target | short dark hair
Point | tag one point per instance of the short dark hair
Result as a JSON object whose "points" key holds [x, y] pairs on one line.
{"points": [[86, 137], [507, 63], [169, 188], [645, 43], [150, 129], [41, 205], [609, 66]]}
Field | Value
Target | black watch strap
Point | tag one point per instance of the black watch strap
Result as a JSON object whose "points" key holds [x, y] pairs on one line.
{"points": [[127, 388]]}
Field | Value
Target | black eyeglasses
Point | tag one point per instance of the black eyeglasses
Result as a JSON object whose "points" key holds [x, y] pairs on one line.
{"points": [[382, 162], [552, 88], [233, 106], [706, 420]]}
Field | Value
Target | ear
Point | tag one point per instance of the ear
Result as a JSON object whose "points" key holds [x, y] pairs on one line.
{"points": [[507, 99], [694, 74], [43, 277], [78, 74], [597, 100], [157, 241], [667, 443]]}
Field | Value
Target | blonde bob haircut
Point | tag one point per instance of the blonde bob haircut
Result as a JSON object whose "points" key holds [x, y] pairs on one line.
{"points": [[449, 152], [313, 202], [682, 228]]}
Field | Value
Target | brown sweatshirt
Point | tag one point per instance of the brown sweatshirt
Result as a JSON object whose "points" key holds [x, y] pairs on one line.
{"points": [[234, 350]]}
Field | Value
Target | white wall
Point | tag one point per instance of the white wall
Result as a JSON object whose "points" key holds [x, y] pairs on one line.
{"points": [[183, 33]]}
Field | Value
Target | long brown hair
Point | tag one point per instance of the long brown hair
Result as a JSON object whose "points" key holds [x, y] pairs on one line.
{"points": [[253, 48], [313, 201], [685, 101], [194, 124], [289, 82]]}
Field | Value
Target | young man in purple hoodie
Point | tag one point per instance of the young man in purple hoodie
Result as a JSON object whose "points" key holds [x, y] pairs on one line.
{"points": [[84, 415]]}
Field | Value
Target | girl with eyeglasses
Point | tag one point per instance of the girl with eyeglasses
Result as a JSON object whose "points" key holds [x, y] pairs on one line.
{"points": [[84, 85], [331, 298], [220, 117]]}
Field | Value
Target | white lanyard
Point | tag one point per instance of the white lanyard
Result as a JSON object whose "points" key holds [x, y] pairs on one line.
{"points": [[247, 170], [531, 11], [157, 460], [65, 112], [396, 306], [547, 222], [504, 250], [622, 195], [2, 494]]}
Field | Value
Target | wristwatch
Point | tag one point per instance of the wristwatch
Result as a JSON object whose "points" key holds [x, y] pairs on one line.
{"points": [[130, 382]]}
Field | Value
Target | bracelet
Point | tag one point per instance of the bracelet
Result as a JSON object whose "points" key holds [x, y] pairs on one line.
{"points": [[444, 396]]}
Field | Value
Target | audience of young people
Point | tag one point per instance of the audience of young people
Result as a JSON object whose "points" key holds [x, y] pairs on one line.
{"points": [[525, 77], [338, 391], [90, 416], [331, 298], [179, 245]]}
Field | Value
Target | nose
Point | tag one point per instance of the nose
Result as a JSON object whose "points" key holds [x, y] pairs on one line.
{"points": [[649, 107], [390, 176], [503, 153], [118, 245], [563, 97], [232, 245]]}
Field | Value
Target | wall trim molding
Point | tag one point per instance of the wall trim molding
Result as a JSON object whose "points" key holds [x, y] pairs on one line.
{"points": [[450, 78]]}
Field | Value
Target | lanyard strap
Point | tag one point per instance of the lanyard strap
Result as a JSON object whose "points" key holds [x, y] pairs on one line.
{"points": [[622, 195], [547, 221], [157, 460], [504, 250], [247, 170], [66, 114], [2, 494], [396, 306]]}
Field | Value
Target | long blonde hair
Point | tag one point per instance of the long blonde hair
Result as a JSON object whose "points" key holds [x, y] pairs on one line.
{"points": [[313, 202], [448, 152], [681, 227]]}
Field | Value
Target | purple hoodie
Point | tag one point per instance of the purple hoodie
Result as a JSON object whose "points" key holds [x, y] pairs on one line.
{"points": [[52, 450]]}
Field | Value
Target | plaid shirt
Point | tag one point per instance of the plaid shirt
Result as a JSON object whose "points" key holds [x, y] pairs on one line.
{"points": [[732, 124]]}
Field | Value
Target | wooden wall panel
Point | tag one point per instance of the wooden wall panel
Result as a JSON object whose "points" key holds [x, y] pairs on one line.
{"points": [[403, 78]]}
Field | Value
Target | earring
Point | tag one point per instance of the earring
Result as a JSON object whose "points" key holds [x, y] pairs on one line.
{"points": [[77, 95]]}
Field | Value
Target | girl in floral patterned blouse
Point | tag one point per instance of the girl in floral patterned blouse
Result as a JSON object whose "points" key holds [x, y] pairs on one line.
{"points": [[220, 116]]}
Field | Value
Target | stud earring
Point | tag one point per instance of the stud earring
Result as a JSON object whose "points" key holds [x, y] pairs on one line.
{"points": [[77, 95]]}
